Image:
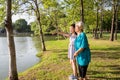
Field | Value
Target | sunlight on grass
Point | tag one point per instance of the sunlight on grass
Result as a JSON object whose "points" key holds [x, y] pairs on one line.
{"points": [[54, 64]]}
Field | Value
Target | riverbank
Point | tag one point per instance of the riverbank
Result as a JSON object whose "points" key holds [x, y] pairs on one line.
{"points": [[54, 64]]}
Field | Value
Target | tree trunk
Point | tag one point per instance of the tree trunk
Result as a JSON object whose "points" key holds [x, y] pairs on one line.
{"points": [[116, 21], [82, 11], [40, 28], [93, 32], [96, 34], [56, 24], [11, 45], [113, 23], [101, 18], [41, 35]]}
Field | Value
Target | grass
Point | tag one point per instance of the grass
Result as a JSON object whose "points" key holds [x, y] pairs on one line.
{"points": [[54, 64]]}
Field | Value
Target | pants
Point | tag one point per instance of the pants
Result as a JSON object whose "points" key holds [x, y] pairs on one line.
{"points": [[82, 70]]}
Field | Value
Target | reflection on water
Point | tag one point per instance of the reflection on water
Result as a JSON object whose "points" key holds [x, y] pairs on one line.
{"points": [[25, 52]]}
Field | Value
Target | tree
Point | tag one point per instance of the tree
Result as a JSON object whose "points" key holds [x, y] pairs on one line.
{"points": [[97, 20], [2, 11], [55, 12], [34, 28], [82, 11], [101, 18], [113, 22], [21, 25], [32, 7], [11, 45], [2, 25], [37, 12], [59, 14], [116, 21]]}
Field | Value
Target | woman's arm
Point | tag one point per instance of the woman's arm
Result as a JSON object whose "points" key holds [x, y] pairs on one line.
{"points": [[64, 34], [78, 51]]}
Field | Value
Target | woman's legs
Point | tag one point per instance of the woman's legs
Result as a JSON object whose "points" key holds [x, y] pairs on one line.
{"points": [[82, 71], [74, 67]]}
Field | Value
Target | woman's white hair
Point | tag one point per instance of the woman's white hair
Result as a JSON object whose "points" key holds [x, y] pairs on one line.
{"points": [[80, 24]]}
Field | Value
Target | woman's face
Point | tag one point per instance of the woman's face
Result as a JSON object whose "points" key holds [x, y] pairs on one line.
{"points": [[72, 30], [77, 29]]}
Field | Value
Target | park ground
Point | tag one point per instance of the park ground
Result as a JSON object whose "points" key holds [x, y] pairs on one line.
{"points": [[54, 64]]}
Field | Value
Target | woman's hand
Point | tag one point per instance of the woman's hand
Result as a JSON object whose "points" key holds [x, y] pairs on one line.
{"points": [[78, 51], [75, 54]]}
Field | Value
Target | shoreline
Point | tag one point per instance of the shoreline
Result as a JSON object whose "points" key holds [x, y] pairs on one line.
{"points": [[49, 65]]}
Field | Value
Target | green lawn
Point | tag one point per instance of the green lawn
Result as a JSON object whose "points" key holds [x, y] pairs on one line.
{"points": [[54, 64]]}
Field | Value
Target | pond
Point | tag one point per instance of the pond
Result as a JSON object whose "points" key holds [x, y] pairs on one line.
{"points": [[25, 53]]}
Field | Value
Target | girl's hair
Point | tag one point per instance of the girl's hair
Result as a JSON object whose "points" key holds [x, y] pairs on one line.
{"points": [[73, 25], [80, 24]]}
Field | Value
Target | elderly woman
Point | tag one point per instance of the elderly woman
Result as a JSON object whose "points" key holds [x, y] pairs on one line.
{"points": [[82, 54]]}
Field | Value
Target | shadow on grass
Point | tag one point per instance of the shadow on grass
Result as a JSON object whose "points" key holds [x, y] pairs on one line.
{"points": [[60, 50], [113, 48], [113, 67], [106, 71], [116, 78], [116, 48], [62, 53], [106, 55], [102, 75]]}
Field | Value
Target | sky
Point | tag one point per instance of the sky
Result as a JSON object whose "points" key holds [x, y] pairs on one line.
{"points": [[25, 16]]}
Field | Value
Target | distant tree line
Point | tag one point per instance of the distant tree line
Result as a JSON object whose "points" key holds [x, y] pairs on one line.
{"points": [[20, 26]]}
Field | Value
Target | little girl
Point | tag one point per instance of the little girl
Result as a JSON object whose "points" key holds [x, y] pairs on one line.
{"points": [[71, 49]]}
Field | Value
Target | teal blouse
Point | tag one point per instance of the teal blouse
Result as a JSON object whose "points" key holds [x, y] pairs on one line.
{"points": [[83, 57]]}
